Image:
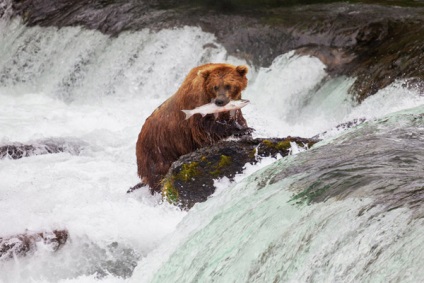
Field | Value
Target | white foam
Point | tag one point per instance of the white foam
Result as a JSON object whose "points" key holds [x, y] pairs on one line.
{"points": [[82, 85], [291, 98]]}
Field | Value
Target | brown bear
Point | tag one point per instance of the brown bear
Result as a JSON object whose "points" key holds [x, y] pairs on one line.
{"points": [[166, 134]]}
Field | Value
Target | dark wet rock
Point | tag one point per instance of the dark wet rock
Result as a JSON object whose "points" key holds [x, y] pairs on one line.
{"points": [[341, 127], [26, 243], [191, 178], [115, 259], [375, 43], [19, 150], [334, 58], [381, 161]]}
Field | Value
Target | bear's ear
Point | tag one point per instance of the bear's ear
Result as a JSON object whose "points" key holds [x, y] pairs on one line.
{"points": [[203, 73], [242, 70]]}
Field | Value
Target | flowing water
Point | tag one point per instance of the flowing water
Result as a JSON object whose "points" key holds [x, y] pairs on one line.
{"points": [[346, 211], [309, 217]]}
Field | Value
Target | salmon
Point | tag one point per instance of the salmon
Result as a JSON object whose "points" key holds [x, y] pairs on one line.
{"points": [[212, 108]]}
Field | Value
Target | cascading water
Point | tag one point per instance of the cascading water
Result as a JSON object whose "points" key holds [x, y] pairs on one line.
{"points": [[343, 211], [93, 93]]}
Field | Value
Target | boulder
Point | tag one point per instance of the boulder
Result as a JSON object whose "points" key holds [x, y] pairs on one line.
{"points": [[26, 243], [191, 178], [17, 150]]}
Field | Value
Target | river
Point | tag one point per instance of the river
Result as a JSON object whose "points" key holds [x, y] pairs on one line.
{"points": [[323, 215]]}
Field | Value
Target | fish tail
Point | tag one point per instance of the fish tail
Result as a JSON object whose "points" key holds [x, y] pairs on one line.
{"points": [[187, 113]]}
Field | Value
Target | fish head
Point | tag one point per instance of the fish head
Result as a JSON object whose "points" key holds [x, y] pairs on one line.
{"points": [[224, 82]]}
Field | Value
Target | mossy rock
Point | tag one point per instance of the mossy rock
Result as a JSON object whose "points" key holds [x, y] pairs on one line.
{"points": [[191, 178]]}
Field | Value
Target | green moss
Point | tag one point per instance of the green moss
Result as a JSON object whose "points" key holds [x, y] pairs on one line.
{"points": [[252, 153], [224, 161], [169, 192], [282, 145], [188, 171], [268, 143]]}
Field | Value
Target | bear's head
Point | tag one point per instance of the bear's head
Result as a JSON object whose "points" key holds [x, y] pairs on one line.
{"points": [[224, 82]]}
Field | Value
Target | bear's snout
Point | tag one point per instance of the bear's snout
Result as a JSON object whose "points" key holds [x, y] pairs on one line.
{"points": [[221, 100]]}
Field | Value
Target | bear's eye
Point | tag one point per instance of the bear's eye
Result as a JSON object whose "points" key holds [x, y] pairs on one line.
{"points": [[215, 88], [227, 87]]}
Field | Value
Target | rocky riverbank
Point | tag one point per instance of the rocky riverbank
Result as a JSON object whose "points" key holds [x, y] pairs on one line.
{"points": [[377, 44]]}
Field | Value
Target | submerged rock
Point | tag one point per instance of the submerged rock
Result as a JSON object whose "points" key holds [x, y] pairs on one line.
{"points": [[191, 178], [19, 150], [26, 243]]}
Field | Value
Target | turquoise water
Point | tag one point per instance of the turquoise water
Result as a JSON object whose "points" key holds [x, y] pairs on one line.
{"points": [[345, 211]]}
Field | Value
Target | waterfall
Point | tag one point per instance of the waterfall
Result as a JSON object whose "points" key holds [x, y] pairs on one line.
{"points": [[93, 92], [343, 211]]}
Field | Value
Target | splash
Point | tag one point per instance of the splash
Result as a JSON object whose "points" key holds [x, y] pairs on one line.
{"points": [[93, 92], [322, 215]]}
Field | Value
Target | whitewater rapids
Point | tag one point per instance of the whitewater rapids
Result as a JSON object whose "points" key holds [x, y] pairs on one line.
{"points": [[94, 91]]}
